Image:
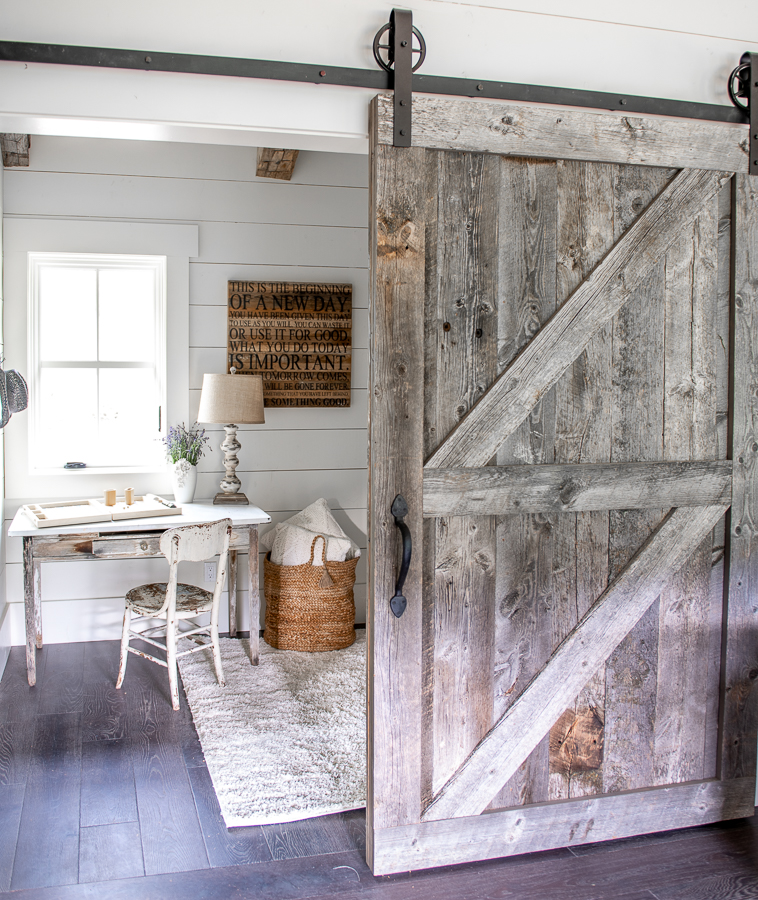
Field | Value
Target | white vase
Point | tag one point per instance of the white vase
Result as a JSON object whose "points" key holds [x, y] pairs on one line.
{"points": [[184, 476]]}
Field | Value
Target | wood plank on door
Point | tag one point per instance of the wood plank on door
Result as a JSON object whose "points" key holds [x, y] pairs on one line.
{"points": [[637, 427], [526, 300], [583, 435], [396, 396], [460, 354]]}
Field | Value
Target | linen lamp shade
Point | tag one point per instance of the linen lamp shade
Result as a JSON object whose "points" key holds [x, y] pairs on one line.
{"points": [[227, 399], [231, 400]]}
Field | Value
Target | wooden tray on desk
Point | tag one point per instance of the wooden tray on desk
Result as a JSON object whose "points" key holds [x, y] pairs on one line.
{"points": [[83, 512], [67, 512]]}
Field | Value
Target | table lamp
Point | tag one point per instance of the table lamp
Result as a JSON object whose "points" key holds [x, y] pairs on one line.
{"points": [[225, 399]]}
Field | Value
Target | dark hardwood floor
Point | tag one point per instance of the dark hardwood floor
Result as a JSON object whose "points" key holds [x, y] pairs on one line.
{"points": [[105, 794]]}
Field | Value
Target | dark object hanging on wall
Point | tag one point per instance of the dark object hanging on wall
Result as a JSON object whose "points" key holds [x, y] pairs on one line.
{"points": [[743, 86], [14, 395]]}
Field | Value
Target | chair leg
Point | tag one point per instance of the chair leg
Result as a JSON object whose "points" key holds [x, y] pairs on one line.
{"points": [[171, 661], [124, 647], [217, 654]]}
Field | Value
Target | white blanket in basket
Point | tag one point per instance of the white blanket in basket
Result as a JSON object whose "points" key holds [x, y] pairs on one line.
{"points": [[290, 541]]}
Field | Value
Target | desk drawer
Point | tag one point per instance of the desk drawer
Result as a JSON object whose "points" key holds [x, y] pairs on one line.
{"points": [[131, 546]]}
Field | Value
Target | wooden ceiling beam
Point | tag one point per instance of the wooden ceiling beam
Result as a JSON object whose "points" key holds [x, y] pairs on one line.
{"points": [[15, 149], [274, 163]]}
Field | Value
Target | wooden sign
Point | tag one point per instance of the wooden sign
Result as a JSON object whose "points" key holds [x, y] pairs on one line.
{"points": [[297, 336]]}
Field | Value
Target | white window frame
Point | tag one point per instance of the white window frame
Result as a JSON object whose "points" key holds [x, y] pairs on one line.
{"points": [[36, 262]]}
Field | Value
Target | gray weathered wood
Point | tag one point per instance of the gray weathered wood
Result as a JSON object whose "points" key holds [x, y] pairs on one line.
{"points": [[689, 415], [460, 303], [395, 466], [524, 559], [583, 434], [515, 831], [514, 736], [78, 546], [548, 131], [637, 425], [15, 149], [254, 594], [507, 490], [232, 589], [738, 699], [508, 402], [31, 602], [126, 548]]}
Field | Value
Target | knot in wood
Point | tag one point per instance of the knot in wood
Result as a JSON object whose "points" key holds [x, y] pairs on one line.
{"points": [[505, 125], [568, 491]]}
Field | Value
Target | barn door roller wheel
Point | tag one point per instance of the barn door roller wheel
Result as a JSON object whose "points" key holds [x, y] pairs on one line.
{"points": [[400, 50], [399, 510], [743, 86]]}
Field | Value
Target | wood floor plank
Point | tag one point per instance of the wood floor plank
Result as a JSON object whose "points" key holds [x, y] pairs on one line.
{"points": [[110, 852], [11, 804], [62, 683], [171, 837], [15, 750], [720, 887], [47, 852], [18, 701], [309, 837], [322, 876], [108, 795], [104, 713], [104, 707], [240, 846]]}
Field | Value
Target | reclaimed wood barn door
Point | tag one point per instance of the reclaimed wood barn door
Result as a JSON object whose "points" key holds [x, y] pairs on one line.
{"points": [[564, 389]]}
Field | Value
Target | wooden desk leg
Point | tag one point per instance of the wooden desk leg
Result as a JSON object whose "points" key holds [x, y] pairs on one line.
{"points": [[32, 612], [254, 595], [232, 593]]}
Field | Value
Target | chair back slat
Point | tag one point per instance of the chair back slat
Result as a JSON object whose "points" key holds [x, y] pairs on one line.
{"points": [[196, 543]]}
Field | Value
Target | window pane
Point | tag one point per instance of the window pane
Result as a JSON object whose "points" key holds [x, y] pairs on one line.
{"points": [[68, 424], [67, 314], [127, 314], [129, 416]]}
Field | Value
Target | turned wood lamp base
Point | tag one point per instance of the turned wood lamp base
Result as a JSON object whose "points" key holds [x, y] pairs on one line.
{"points": [[230, 484], [231, 398]]}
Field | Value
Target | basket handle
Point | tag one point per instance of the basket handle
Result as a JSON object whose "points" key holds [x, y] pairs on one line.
{"points": [[313, 549], [326, 578]]}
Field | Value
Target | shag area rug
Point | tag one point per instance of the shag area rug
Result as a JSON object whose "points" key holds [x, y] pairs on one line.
{"points": [[286, 739]]}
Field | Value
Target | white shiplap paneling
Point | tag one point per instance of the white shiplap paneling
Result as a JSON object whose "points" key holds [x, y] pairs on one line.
{"points": [[248, 229]]}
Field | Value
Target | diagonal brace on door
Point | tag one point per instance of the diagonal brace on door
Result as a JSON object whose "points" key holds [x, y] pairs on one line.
{"points": [[514, 736], [542, 362]]}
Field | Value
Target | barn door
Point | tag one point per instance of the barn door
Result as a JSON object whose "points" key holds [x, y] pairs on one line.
{"points": [[564, 390]]}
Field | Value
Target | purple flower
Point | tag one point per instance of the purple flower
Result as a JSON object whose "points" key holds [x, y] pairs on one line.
{"points": [[185, 443]]}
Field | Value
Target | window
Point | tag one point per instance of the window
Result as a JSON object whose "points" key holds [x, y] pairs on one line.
{"points": [[97, 348]]}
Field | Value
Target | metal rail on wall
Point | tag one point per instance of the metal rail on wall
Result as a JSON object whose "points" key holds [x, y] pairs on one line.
{"points": [[398, 72]]}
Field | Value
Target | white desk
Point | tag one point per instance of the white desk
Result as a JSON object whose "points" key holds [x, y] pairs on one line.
{"points": [[132, 539]]}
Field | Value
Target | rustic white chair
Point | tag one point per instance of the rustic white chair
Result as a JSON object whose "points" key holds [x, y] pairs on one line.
{"points": [[174, 602]]}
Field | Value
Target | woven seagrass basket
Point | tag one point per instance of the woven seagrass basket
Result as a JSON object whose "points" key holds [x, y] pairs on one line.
{"points": [[310, 607]]}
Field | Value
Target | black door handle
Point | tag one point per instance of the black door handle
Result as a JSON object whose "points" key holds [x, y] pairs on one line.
{"points": [[399, 510]]}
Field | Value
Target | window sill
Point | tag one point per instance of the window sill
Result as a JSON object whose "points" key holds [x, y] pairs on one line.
{"points": [[102, 470]]}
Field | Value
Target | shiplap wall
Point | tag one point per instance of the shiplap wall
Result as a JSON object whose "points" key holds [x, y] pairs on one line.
{"points": [[5, 619], [311, 229]]}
